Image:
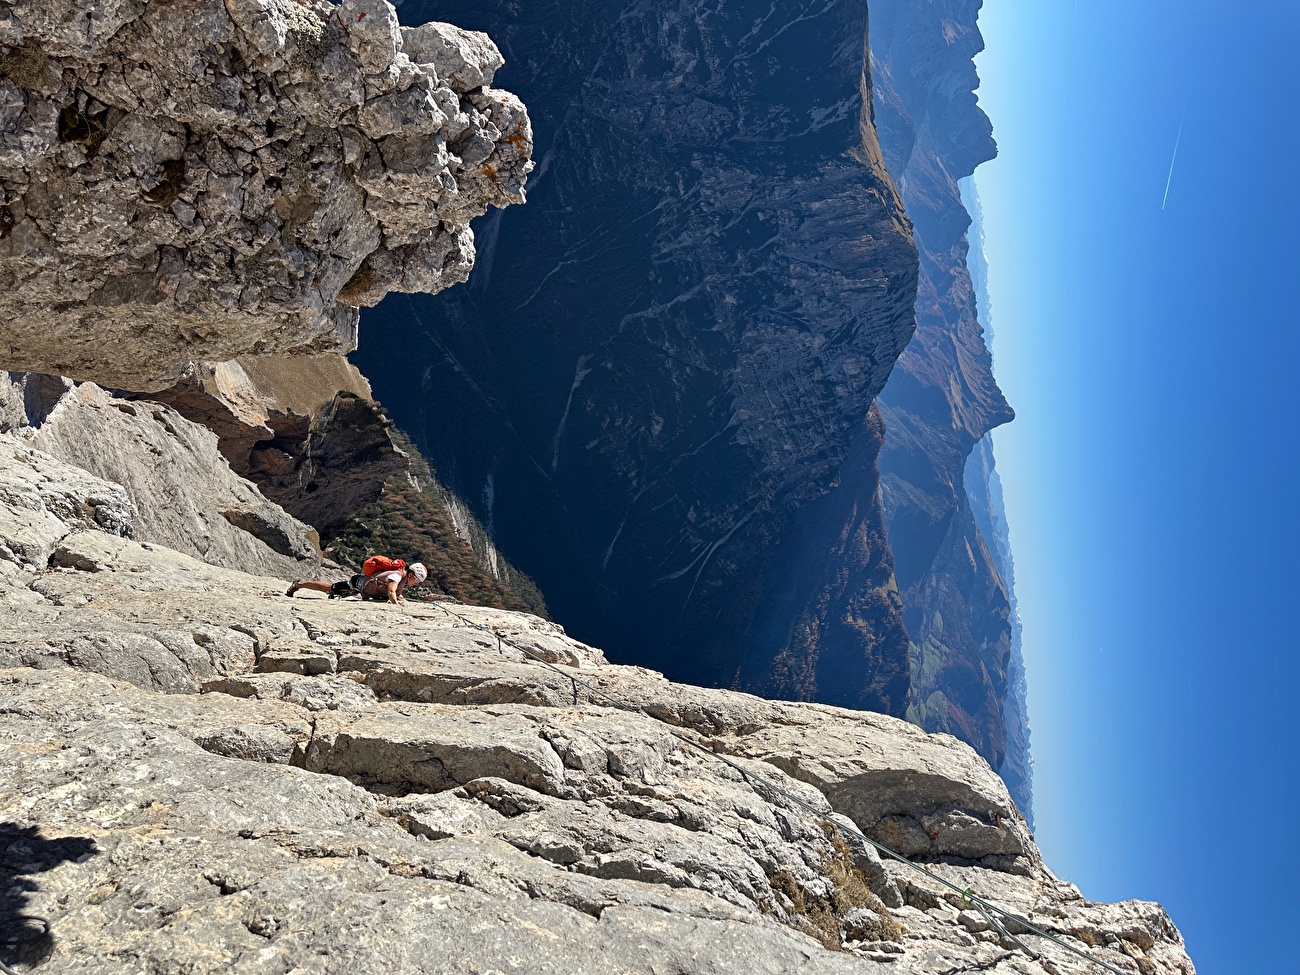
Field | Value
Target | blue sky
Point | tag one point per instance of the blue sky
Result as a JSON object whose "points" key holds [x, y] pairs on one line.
{"points": [[1151, 475]]}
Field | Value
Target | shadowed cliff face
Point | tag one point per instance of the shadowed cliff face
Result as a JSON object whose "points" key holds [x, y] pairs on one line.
{"points": [[832, 629], [307, 432], [304, 430], [941, 399], [671, 348]]}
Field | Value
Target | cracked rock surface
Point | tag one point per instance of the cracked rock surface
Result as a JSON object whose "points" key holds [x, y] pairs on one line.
{"points": [[193, 766], [180, 490], [212, 178]]}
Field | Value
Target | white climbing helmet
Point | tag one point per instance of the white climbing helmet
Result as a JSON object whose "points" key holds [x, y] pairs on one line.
{"points": [[418, 570]]}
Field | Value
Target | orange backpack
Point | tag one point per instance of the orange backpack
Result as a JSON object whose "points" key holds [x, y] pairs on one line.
{"points": [[380, 563]]}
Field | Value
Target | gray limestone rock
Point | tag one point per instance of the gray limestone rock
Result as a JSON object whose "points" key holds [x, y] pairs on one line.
{"points": [[181, 489], [197, 849], [322, 820], [42, 499], [224, 177], [198, 771], [315, 693], [429, 748], [468, 58], [26, 398], [904, 790]]}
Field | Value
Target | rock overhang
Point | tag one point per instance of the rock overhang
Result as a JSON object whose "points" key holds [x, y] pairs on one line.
{"points": [[224, 177]]}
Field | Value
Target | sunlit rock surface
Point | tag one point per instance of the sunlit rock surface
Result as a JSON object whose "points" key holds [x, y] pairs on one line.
{"points": [[208, 179], [197, 770], [179, 486]]}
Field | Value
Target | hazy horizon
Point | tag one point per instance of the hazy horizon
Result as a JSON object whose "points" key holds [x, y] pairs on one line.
{"points": [[1147, 343]]}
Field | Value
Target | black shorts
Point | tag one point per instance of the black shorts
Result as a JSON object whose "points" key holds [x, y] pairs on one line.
{"points": [[351, 586]]}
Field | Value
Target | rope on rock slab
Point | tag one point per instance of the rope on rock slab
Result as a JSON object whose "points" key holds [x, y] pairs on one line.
{"points": [[987, 908], [13, 942], [968, 898]]}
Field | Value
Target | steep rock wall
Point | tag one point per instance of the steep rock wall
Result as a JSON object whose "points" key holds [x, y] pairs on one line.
{"points": [[831, 629], [207, 179], [179, 487], [984, 488], [669, 352]]}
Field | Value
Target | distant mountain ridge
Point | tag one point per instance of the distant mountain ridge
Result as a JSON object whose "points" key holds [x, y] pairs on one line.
{"points": [[984, 488], [942, 400]]}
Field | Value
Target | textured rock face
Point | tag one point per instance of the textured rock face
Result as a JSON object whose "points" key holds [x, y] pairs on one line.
{"points": [[43, 499], [669, 351], [206, 179], [304, 429], [941, 398], [183, 493], [385, 788], [834, 633]]}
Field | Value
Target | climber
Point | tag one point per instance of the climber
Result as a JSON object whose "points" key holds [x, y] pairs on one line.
{"points": [[388, 584]]}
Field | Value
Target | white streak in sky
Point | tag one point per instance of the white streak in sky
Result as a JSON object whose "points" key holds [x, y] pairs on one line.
{"points": [[1177, 138]]}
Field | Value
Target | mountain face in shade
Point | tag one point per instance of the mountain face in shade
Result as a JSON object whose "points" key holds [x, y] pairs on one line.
{"points": [[833, 631], [663, 362], [941, 399]]}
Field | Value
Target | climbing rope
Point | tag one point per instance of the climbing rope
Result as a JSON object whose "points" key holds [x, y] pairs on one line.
{"points": [[13, 942], [968, 898], [991, 912]]}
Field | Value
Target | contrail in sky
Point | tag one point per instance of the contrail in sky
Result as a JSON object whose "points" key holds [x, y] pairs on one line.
{"points": [[1177, 139]]}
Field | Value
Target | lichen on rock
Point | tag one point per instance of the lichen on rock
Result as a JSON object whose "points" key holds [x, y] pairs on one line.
{"points": [[224, 177]]}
